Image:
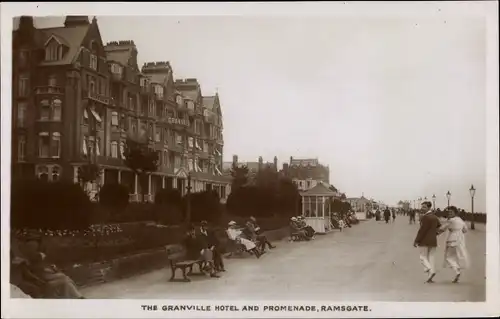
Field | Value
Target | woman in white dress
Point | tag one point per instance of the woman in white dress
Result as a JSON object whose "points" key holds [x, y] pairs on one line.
{"points": [[234, 233], [456, 255]]}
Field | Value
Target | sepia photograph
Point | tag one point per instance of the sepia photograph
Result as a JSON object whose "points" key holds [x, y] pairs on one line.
{"points": [[236, 159]]}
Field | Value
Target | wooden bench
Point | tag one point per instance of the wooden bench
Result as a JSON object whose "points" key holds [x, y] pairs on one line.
{"points": [[176, 255]]}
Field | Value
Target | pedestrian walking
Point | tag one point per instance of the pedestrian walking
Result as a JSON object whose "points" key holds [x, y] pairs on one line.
{"points": [[213, 243], [426, 240], [387, 215], [393, 216], [412, 214], [455, 255]]}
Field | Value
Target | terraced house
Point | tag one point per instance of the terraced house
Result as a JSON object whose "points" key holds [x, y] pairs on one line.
{"points": [[76, 101]]}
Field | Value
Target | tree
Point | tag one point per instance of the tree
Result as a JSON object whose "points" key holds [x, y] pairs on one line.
{"points": [[142, 160], [88, 173], [239, 175], [267, 178], [205, 206], [288, 198]]}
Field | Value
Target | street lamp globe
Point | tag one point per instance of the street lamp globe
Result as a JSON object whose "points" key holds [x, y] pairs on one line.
{"points": [[434, 197], [448, 195], [472, 191]]}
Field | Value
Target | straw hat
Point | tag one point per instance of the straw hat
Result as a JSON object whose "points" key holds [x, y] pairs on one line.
{"points": [[232, 223], [293, 219]]}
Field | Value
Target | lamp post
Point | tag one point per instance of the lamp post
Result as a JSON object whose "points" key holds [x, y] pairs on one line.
{"points": [[472, 191], [448, 195], [188, 198], [434, 201]]}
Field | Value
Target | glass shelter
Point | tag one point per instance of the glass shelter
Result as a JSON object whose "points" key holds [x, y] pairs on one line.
{"points": [[316, 207]]}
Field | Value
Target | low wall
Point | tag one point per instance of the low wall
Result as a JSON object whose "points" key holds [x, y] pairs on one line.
{"points": [[97, 273]]}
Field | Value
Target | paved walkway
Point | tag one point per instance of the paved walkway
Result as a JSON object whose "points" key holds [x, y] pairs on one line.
{"points": [[371, 261]]}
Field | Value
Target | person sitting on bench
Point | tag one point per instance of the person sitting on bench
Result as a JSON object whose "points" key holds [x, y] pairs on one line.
{"points": [[310, 232], [235, 234], [57, 282], [296, 229], [253, 230], [197, 248]]}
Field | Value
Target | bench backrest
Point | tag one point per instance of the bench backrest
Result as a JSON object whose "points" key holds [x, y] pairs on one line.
{"points": [[175, 252]]}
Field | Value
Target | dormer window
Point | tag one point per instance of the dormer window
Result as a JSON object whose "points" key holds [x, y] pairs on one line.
{"points": [[93, 61], [53, 50], [144, 82]]}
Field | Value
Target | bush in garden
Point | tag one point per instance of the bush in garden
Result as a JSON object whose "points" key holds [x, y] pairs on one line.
{"points": [[205, 206], [49, 206], [169, 206], [114, 197]]}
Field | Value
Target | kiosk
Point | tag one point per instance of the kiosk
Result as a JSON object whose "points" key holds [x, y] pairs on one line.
{"points": [[316, 207]]}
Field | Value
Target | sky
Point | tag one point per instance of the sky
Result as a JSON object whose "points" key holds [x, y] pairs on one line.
{"points": [[396, 107]]}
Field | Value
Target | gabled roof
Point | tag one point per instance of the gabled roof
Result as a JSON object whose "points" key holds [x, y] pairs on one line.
{"points": [[71, 36], [321, 189], [209, 102], [191, 94], [119, 56]]}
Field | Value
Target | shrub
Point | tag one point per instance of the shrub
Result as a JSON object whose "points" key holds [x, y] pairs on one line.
{"points": [[205, 206], [114, 197], [56, 206], [169, 206]]}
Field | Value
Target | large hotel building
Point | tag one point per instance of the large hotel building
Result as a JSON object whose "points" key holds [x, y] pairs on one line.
{"points": [[76, 101]]}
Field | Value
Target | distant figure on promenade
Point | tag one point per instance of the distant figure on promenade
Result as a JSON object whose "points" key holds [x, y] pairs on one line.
{"points": [[378, 215], [213, 242], [393, 216], [412, 214], [426, 240], [455, 255], [303, 225], [387, 215]]}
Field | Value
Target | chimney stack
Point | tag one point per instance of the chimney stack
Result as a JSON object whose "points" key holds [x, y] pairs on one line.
{"points": [[291, 159], [260, 162], [235, 160], [276, 163]]}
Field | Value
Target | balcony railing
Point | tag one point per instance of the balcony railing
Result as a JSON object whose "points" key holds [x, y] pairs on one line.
{"points": [[99, 97], [49, 90], [176, 121]]}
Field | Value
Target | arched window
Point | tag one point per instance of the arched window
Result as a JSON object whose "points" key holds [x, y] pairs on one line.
{"points": [[56, 171], [56, 110], [45, 110], [114, 149], [43, 173]]}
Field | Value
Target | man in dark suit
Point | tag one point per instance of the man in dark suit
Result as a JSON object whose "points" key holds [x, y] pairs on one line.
{"points": [[208, 236], [426, 239]]}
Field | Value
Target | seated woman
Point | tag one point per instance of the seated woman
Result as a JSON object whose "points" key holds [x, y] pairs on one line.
{"points": [[19, 286], [235, 234], [296, 229], [310, 232], [57, 283]]}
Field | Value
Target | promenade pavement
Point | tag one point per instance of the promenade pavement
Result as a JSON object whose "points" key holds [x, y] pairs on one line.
{"points": [[372, 261]]}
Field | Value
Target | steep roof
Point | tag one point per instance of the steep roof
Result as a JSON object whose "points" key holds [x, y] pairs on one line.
{"points": [[321, 189], [71, 36]]}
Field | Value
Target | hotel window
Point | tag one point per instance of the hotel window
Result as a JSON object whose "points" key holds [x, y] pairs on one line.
{"points": [[21, 148], [84, 145], [56, 110], [23, 58], [43, 145], [114, 149], [190, 142], [56, 145], [93, 61], [157, 134], [21, 114], [114, 118], [52, 80], [150, 131], [134, 127], [56, 171], [98, 146], [53, 51], [92, 86], [45, 110], [116, 68], [165, 158], [43, 173], [122, 150], [23, 89]]}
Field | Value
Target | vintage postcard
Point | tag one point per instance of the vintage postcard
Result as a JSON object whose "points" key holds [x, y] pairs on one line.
{"points": [[302, 159]]}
